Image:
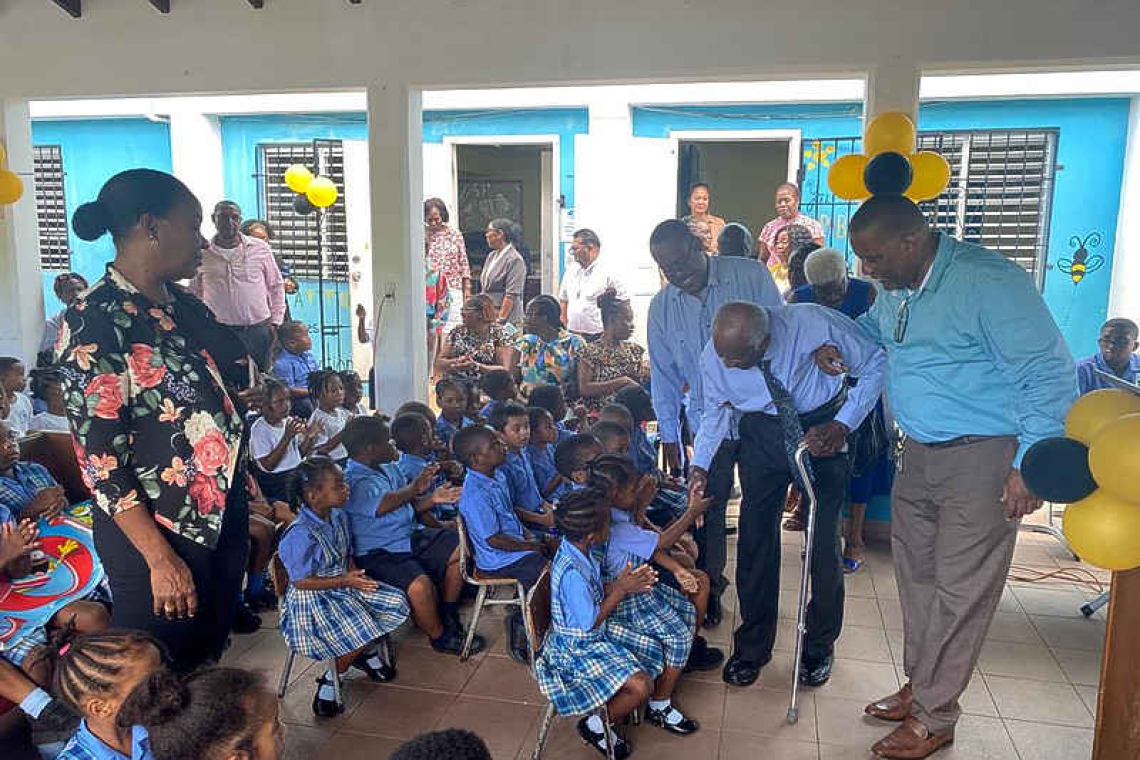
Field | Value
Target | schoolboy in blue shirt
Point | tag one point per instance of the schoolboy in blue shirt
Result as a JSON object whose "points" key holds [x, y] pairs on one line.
{"points": [[451, 395], [540, 452], [499, 385], [293, 365], [412, 434], [512, 422], [551, 398]]}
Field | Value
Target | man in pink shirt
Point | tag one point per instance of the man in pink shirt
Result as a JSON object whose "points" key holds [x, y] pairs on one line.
{"points": [[240, 282]]}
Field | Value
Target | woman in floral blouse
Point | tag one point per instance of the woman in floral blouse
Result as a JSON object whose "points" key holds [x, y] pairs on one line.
{"points": [[447, 253], [546, 351], [148, 374], [613, 362], [477, 346]]}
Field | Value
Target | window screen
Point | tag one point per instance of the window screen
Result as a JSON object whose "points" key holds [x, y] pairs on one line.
{"points": [[51, 211]]}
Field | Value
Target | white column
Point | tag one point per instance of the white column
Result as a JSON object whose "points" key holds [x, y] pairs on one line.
{"points": [[395, 132], [21, 291], [1124, 295], [893, 86], [196, 154]]}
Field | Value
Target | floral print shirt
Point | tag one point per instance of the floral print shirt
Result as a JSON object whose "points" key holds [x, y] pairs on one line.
{"points": [[543, 363], [151, 418], [609, 363], [447, 253], [466, 343]]}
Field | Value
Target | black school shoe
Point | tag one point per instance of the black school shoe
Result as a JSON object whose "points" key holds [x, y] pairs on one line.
{"points": [[516, 640], [660, 718], [451, 642], [597, 740], [703, 657], [325, 708], [741, 672], [713, 612], [245, 621], [381, 674], [816, 673]]}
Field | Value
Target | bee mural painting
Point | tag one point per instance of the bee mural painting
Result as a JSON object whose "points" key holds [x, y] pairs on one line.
{"points": [[1082, 265]]}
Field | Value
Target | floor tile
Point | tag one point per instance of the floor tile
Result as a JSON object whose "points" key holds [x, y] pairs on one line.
{"points": [[895, 642], [1058, 602], [426, 668], [345, 745], [297, 705], [652, 742], [1039, 741], [765, 711], [1039, 701], [859, 584], [702, 701], [976, 699], [891, 612], [303, 742], [1070, 633], [738, 746], [843, 722], [863, 643], [856, 679], [860, 611], [1003, 658], [398, 713], [1081, 666], [1088, 695], [1013, 626], [503, 678], [503, 726]]}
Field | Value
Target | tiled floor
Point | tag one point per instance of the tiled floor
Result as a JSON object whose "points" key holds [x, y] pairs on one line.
{"points": [[1032, 698]]}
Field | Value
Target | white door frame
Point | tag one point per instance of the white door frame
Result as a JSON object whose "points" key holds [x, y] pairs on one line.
{"points": [[791, 136], [549, 265]]}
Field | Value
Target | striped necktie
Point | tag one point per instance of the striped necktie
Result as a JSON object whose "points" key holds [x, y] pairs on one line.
{"points": [[789, 418]]}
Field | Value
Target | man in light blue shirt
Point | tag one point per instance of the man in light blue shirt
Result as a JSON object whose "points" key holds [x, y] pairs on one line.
{"points": [[757, 361], [1117, 357], [680, 324], [977, 373]]}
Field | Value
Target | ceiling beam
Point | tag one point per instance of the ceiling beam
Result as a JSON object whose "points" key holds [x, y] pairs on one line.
{"points": [[163, 6], [71, 6]]}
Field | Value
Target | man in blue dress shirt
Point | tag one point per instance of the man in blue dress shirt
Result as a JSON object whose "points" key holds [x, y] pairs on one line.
{"points": [[1118, 343], [680, 324], [977, 373], [760, 378]]}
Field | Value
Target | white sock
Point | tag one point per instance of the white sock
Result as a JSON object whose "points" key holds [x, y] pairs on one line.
{"points": [[373, 660], [594, 723], [326, 690], [673, 716], [35, 702]]}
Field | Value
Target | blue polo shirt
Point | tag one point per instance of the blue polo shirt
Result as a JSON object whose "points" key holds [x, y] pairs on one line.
{"points": [[293, 369], [445, 431], [1088, 380], [627, 544], [520, 481], [542, 465], [85, 745], [391, 532], [487, 510]]}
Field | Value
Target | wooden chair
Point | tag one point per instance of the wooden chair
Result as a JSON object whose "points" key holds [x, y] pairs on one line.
{"points": [[56, 452], [487, 584]]}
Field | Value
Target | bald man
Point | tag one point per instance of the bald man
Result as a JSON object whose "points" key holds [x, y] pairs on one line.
{"points": [[759, 376]]}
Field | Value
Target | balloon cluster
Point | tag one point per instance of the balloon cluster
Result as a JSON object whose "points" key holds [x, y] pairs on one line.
{"points": [[11, 186], [312, 192], [889, 164], [1093, 470]]}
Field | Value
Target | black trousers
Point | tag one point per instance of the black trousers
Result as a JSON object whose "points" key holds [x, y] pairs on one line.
{"points": [[217, 578], [258, 340], [710, 537], [765, 474]]}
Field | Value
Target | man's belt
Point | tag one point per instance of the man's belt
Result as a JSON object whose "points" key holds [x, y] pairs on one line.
{"points": [[820, 414], [962, 440]]}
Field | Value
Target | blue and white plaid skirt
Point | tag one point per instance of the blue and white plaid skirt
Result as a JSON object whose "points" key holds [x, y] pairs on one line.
{"points": [[656, 626], [579, 673], [667, 506], [334, 622]]}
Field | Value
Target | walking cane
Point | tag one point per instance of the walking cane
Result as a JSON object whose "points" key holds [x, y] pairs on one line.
{"points": [[809, 532]]}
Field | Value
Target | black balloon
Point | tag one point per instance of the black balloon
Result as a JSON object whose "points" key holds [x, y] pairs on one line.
{"points": [[888, 173], [1057, 470], [303, 205]]}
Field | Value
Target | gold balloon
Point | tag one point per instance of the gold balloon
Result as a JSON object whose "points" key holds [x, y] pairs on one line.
{"points": [[845, 177], [1114, 457], [891, 132], [931, 176], [11, 187], [298, 177], [1104, 531], [1095, 410], [322, 192]]}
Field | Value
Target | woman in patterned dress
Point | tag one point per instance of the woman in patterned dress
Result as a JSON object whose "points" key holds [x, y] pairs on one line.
{"points": [[331, 608], [476, 347], [612, 362], [546, 352], [447, 253]]}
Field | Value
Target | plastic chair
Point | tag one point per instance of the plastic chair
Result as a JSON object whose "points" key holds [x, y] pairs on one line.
{"points": [[1050, 529], [487, 584]]}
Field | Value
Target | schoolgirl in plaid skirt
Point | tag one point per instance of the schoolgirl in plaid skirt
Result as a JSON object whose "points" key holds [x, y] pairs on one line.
{"points": [[331, 609]]}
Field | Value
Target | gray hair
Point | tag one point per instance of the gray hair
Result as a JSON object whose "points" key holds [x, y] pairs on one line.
{"points": [[754, 317], [825, 266]]}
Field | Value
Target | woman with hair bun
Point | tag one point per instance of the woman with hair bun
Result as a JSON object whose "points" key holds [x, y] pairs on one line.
{"points": [[614, 361]]}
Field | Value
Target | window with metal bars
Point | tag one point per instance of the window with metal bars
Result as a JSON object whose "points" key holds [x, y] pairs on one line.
{"points": [[51, 210], [310, 252]]}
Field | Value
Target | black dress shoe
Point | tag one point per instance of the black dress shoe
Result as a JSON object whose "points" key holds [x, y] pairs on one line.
{"points": [[660, 718], [713, 612], [741, 672], [816, 673], [381, 674], [597, 740], [245, 621], [325, 708], [516, 640], [703, 657], [451, 642]]}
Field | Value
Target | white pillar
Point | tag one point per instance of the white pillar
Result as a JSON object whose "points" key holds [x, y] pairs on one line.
{"points": [[893, 86], [395, 132], [196, 155], [1124, 295], [21, 292]]}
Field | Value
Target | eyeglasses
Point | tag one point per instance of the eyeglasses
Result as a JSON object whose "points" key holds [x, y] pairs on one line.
{"points": [[1116, 342], [902, 320]]}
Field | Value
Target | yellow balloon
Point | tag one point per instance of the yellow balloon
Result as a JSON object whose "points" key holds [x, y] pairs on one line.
{"points": [[1104, 531], [322, 192], [845, 177], [298, 177], [1114, 457], [931, 176], [11, 187], [1095, 410], [891, 132]]}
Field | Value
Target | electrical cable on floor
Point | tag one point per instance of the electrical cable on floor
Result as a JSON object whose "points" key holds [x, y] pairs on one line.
{"points": [[1077, 575]]}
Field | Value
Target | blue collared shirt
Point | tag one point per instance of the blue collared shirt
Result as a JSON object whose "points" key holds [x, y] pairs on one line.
{"points": [[17, 489], [293, 369], [521, 482], [542, 465], [579, 593], [681, 324], [85, 745], [1088, 380], [981, 354], [628, 544], [797, 330], [300, 552], [641, 452], [487, 510], [445, 431], [391, 531]]}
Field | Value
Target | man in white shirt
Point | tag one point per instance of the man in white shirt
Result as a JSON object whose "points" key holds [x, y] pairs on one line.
{"points": [[585, 280]]}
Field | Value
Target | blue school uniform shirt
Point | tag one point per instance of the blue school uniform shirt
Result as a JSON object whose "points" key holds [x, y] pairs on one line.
{"points": [[579, 588], [564, 434], [628, 544], [391, 532], [1088, 380], [486, 411], [542, 465], [299, 550], [293, 369], [486, 508], [642, 453], [520, 481], [20, 486], [85, 745], [445, 431]]}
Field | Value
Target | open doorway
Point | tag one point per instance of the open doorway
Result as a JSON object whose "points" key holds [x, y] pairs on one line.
{"points": [[513, 182]]}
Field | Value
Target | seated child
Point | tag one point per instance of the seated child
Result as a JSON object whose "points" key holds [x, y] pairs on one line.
{"points": [[331, 608], [277, 443], [95, 675], [451, 395], [499, 385], [617, 423], [512, 422], [47, 384], [501, 547], [382, 509], [12, 384], [329, 417], [540, 451], [265, 519], [682, 587], [293, 365], [584, 662], [551, 398], [572, 459], [213, 714], [353, 392], [412, 434]]}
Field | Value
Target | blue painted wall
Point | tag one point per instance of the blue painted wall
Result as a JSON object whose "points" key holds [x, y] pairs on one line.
{"points": [[93, 151]]}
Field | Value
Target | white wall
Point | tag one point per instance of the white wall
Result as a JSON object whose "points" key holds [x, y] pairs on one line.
{"points": [[1124, 297]]}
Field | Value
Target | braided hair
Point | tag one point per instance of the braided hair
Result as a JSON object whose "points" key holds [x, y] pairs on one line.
{"points": [[580, 513], [611, 473], [93, 663], [314, 469], [319, 382]]}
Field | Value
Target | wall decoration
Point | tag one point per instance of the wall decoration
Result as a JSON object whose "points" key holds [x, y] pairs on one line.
{"points": [[1082, 265]]}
